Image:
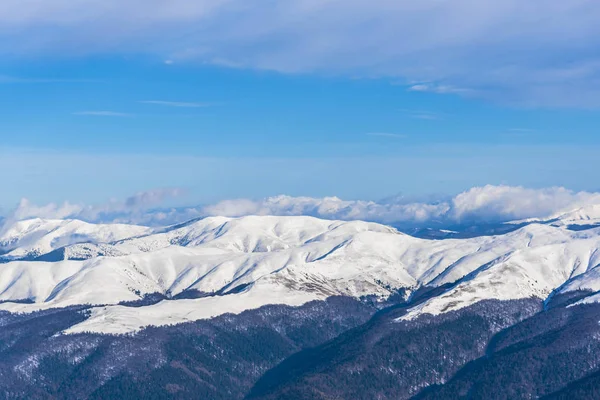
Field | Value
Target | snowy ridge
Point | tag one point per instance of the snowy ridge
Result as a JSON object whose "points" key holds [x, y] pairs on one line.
{"points": [[581, 216], [235, 264], [34, 237], [589, 215]]}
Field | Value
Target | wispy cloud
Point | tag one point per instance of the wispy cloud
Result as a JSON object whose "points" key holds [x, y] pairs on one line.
{"points": [[177, 103], [388, 135], [437, 88], [422, 114], [104, 114], [507, 50]]}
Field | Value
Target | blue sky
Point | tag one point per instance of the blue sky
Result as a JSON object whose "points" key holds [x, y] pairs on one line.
{"points": [[336, 99]]}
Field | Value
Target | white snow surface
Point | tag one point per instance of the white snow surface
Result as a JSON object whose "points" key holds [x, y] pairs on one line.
{"points": [[582, 216], [246, 263], [34, 237]]}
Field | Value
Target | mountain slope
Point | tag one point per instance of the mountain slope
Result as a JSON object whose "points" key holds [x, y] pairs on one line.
{"points": [[219, 358], [385, 359], [492, 350]]}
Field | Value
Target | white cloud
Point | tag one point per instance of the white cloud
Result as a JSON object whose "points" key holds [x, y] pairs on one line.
{"points": [[488, 204], [25, 209], [485, 204], [510, 202], [134, 209], [329, 208], [526, 52], [480, 204]]}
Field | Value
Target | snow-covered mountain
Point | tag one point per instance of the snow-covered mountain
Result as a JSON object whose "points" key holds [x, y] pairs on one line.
{"points": [[580, 217], [223, 265], [34, 237]]}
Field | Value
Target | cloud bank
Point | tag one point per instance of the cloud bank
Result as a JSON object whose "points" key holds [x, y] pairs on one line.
{"points": [[479, 204], [484, 204], [524, 52], [135, 209]]}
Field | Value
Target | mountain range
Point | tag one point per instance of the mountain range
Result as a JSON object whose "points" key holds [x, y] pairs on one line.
{"points": [[346, 309]]}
